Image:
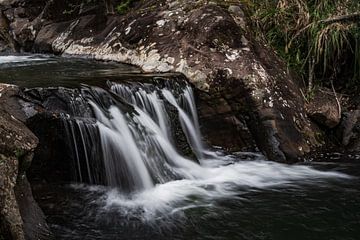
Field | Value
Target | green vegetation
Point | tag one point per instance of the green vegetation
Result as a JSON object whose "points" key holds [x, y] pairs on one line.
{"points": [[124, 6], [319, 39]]}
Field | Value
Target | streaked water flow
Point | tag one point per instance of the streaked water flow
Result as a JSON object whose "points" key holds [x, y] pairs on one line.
{"points": [[137, 145], [192, 132]]}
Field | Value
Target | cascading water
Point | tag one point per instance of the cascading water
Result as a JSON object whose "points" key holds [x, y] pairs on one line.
{"points": [[137, 145], [133, 124]]}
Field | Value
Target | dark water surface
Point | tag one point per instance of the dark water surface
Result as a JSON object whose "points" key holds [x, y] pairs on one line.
{"points": [[52, 71], [250, 200], [312, 209]]}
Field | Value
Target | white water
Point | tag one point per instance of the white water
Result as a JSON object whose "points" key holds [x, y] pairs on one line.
{"points": [[148, 102], [20, 59], [117, 141], [139, 148], [190, 129], [212, 184]]}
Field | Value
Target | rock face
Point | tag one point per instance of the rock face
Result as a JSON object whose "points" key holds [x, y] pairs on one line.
{"points": [[221, 126], [21, 218], [212, 44], [43, 107]]}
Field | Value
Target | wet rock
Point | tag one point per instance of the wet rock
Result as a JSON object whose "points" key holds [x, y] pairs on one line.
{"points": [[55, 101], [46, 110], [34, 220], [221, 126], [324, 109]]}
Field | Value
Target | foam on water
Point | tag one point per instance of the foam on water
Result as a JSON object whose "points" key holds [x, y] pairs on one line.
{"points": [[214, 183]]}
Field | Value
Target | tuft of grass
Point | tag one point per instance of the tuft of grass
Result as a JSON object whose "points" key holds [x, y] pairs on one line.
{"points": [[320, 39]]}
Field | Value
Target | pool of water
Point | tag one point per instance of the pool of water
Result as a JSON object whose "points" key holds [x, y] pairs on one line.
{"points": [[309, 207], [52, 71]]}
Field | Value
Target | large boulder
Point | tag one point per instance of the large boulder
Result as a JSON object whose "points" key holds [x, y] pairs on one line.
{"points": [[213, 45], [20, 217]]}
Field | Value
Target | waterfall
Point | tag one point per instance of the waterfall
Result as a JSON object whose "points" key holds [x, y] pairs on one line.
{"points": [[129, 143], [133, 125]]}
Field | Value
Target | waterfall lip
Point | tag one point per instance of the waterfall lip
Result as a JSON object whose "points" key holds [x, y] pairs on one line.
{"points": [[94, 94]]}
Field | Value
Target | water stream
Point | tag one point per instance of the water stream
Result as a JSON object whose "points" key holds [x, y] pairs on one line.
{"points": [[134, 182]]}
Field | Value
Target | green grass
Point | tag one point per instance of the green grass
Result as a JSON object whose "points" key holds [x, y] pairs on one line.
{"points": [[302, 34]]}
